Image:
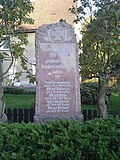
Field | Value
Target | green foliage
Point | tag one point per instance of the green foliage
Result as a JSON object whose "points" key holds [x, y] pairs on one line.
{"points": [[61, 139], [100, 42], [89, 93], [14, 14], [102, 139], [13, 90], [18, 90]]}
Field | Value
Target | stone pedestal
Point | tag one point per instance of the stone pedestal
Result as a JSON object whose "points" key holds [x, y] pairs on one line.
{"points": [[57, 73]]}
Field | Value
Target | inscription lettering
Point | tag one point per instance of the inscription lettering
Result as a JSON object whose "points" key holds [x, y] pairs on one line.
{"points": [[57, 74], [57, 96]]}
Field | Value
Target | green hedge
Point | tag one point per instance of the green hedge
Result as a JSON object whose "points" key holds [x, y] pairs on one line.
{"points": [[18, 90], [61, 140], [89, 93]]}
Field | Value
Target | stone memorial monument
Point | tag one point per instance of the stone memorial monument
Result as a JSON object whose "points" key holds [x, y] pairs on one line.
{"points": [[57, 73]]}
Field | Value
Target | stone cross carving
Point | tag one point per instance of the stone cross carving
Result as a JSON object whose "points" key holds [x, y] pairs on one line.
{"points": [[57, 73]]}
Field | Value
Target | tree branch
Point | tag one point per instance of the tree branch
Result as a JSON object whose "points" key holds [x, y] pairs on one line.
{"points": [[9, 65], [93, 77]]}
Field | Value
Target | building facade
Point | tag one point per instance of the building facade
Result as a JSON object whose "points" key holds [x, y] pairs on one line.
{"points": [[45, 12]]}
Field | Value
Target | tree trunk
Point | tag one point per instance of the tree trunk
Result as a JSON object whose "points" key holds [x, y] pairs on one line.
{"points": [[102, 108], [1, 100], [3, 117]]}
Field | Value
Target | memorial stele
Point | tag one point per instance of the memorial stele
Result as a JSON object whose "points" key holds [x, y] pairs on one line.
{"points": [[57, 73]]}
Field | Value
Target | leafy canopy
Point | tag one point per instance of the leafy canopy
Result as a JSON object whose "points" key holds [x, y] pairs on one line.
{"points": [[13, 14], [101, 38]]}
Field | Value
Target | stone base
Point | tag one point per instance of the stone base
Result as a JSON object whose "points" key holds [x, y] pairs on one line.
{"points": [[42, 119], [4, 118]]}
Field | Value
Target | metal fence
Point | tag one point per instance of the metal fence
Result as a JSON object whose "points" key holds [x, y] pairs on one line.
{"points": [[20, 115], [27, 115]]}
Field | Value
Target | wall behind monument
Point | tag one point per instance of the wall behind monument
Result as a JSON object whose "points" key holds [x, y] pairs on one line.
{"points": [[45, 12]]}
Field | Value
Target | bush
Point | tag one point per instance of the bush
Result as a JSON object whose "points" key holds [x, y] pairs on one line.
{"points": [[18, 90], [102, 139], [13, 90], [61, 139], [89, 93]]}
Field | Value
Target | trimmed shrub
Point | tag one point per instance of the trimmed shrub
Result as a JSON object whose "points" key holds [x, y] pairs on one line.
{"points": [[89, 93], [61, 139], [13, 90], [102, 138], [18, 90]]}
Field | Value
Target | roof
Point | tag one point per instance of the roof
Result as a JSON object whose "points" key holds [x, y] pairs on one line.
{"points": [[47, 11]]}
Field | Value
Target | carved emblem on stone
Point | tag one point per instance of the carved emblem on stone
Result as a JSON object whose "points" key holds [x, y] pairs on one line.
{"points": [[57, 73], [57, 35]]}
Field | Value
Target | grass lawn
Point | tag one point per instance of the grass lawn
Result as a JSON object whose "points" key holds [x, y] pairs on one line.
{"points": [[27, 101], [114, 102], [19, 101]]}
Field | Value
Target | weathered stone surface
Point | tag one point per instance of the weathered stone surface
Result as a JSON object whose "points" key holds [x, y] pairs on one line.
{"points": [[58, 88]]}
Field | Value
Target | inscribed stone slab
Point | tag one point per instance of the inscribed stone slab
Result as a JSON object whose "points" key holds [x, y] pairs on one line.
{"points": [[57, 74]]}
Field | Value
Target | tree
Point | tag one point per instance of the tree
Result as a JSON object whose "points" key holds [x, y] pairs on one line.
{"points": [[100, 44], [13, 14]]}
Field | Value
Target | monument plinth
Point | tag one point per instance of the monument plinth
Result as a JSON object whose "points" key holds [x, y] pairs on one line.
{"points": [[57, 73]]}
